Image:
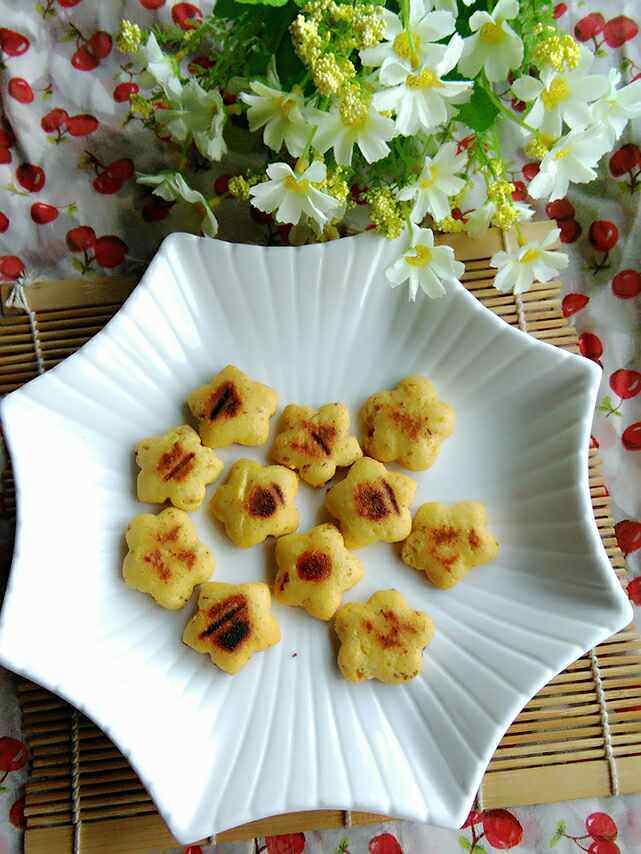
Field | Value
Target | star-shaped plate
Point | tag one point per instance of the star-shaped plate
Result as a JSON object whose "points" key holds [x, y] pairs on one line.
{"points": [[318, 324]]}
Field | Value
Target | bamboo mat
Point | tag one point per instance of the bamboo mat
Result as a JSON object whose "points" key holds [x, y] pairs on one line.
{"points": [[83, 796]]}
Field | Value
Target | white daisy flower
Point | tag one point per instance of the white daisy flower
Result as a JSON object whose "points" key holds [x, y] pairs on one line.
{"points": [[292, 195], [451, 5], [280, 113], [480, 220], [618, 106], [199, 115], [437, 182], [533, 262], [572, 161], [406, 47], [171, 186], [159, 68], [422, 100], [352, 122], [493, 45], [427, 266], [562, 96]]}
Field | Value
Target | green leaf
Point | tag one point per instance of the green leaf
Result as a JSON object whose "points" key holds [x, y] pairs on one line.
{"points": [[480, 112], [560, 833], [77, 265], [288, 65], [228, 9], [464, 842], [478, 849]]}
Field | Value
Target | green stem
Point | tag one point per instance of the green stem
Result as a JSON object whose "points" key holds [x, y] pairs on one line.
{"points": [[503, 109]]}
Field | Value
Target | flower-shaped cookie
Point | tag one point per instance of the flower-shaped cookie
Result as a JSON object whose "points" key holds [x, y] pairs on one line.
{"points": [[166, 559], [176, 467], [407, 424], [372, 504], [314, 569], [315, 441], [448, 540], [232, 408], [382, 639], [255, 502], [233, 621]]}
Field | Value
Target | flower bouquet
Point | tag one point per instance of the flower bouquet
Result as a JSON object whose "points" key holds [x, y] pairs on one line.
{"points": [[364, 114]]}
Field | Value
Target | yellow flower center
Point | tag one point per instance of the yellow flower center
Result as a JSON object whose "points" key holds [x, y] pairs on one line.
{"points": [[354, 111], [557, 92], [562, 153], [425, 80], [286, 105], [295, 186], [430, 180], [421, 259], [406, 48], [531, 256], [492, 33]]}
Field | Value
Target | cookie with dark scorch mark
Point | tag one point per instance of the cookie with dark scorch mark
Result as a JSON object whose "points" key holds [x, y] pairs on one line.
{"points": [[232, 622], [232, 408], [256, 502]]}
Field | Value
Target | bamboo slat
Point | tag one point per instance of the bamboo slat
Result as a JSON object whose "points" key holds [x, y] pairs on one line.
{"points": [[82, 794]]}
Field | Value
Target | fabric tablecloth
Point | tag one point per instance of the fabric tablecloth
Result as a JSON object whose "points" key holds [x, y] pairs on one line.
{"points": [[67, 159]]}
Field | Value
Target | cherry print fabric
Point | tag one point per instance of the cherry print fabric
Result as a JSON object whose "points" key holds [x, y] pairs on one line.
{"points": [[70, 206]]}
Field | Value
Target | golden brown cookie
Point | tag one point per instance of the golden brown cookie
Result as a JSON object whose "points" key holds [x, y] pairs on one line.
{"points": [[382, 639], [232, 408], [314, 569], [176, 467], [448, 540], [233, 621], [372, 504], [406, 424], [256, 502], [315, 441], [166, 559]]}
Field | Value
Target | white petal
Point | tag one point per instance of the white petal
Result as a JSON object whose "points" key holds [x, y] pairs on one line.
{"points": [[397, 272], [478, 19], [505, 279], [505, 10], [315, 172], [527, 88], [267, 197], [290, 208], [278, 171]]}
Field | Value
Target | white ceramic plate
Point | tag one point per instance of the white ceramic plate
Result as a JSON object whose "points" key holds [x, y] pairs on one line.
{"points": [[317, 323]]}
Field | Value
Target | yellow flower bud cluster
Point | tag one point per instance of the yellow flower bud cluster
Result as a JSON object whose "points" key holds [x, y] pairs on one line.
{"points": [[129, 38], [505, 215], [328, 75], [365, 24], [354, 108], [140, 106], [450, 225], [559, 50], [385, 212], [306, 38], [336, 185]]}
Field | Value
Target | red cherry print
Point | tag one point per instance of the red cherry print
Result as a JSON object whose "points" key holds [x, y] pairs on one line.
{"points": [[229, 98], [106, 183], [589, 27], [631, 437], [20, 90], [628, 534], [186, 15], [625, 160], [80, 238], [110, 250], [84, 60], [121, 170], [570, 230], [156, 209], [6, 138], [151, 4], [386, 843], [68, 4], [12, 43], [604, 846], [600, 826], [4, 222], [474, 817], [100, 44], [634, 590], [520, 191], [31, 177], [288, 843], [11, 267], [573, 303], [5, 155], [124, 91], [200, 62], [193, 849], [626, 384], [627, 284], [590, 345], [82, 125], [221, 185], [594, 442], [559, 10], [518, 106], [53, 120], [13, 753], [560, 210], [42, 213], [603, 235], [531, 170], [619, 30], [16, 813], [502, 829]]}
